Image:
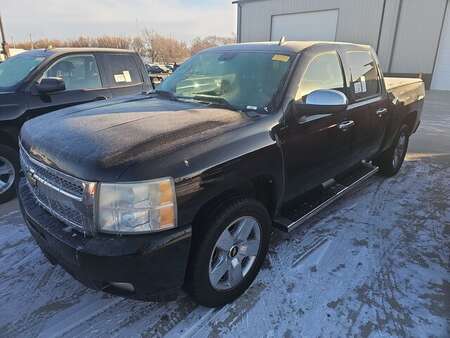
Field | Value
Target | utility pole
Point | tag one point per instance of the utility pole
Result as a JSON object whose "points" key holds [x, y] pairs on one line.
{"points": [[5, 49]]}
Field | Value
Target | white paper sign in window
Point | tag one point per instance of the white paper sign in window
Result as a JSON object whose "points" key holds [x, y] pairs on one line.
{"points": [[363, 84], [123, 77]]}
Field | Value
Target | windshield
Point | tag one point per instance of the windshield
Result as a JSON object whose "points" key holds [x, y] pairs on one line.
{"points": [[16, 68], [242, 80]]}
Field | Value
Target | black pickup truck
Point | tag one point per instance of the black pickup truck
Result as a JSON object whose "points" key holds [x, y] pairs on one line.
{"points": [[181, 188], [41, 81]]}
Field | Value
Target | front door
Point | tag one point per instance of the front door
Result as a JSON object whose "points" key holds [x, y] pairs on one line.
{"points": [[83, 84], [316, 147]]}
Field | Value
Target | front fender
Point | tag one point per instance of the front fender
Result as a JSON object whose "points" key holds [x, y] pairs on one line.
{"points": [[238, 175]]}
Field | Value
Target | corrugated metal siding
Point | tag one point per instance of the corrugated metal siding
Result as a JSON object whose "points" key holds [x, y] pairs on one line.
{"points": [[256, 17], [388, 32], [414, 35], [417, 36], [441, 76]]}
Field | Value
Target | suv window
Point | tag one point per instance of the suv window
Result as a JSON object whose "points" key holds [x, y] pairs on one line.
{"points": [[365, 80], [77, 71], [324, 72], [122, 70]]}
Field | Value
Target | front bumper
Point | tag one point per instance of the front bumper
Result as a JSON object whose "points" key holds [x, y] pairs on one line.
{"points": [[154, 265]]}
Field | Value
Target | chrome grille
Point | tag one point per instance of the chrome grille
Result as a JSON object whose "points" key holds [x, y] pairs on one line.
{"points": [[68, 184], [62, 195], [65, 184]]}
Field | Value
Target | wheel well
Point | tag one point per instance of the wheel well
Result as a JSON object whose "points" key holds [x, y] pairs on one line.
{"points": [[264, 192], [410, 120], [260, 188], [8, 140]]}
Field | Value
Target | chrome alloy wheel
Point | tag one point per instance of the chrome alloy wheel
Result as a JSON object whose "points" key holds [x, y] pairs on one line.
{"points": [[234, 253], [7, 174], [399, 150]]}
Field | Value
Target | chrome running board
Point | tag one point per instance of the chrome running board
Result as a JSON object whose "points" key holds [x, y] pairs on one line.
{"points": [[319, 200]]}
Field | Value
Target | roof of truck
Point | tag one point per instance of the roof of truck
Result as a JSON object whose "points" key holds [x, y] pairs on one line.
{"points": [[63, 50], [286, 46]]}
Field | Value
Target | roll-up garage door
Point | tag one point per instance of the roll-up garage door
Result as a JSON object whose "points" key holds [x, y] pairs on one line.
{"points": [[318, 25]]}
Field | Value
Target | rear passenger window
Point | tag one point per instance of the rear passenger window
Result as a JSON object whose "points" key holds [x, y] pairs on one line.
{"points": [[122, 70], [365, 81], [323, 72]]}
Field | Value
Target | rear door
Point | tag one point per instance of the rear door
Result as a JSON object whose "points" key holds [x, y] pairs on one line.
{"points": [[316, 148], [122, 74], [81, 76], [368, 102]]}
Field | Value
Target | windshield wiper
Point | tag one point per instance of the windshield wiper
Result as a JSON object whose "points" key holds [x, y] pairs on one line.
{"points": [[165, 93], [217, 101]]}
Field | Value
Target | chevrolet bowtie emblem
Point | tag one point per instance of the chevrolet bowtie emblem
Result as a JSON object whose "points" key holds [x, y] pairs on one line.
{"points": [[31, 179]]}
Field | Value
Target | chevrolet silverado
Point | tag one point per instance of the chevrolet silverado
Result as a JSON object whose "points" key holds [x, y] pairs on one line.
{"points": [[182, 188]]}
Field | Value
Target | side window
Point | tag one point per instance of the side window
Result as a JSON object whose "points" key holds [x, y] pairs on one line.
{"points": [[123, 70], [365, 80], [77, 71], [323, 72]]}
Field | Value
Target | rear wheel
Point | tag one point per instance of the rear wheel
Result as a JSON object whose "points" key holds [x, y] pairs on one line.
{"points": [[227, 257], [9, 172], [392, 159]]}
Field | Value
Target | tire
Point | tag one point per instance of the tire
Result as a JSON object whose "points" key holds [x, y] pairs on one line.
{"points": [[391, 160], [9, 172], [202, 280]]}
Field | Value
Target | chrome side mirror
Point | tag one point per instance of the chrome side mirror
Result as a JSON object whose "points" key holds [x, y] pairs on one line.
{"points": [[322, 101]]}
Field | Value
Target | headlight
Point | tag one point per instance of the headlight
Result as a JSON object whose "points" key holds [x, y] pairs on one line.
{"points": [[137, 207]]}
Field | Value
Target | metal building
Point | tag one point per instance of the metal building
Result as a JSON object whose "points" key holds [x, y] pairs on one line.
{"points": [[410, 36]]}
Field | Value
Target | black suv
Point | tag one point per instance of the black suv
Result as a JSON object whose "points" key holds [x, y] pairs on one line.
{"points": [[41, 81]]}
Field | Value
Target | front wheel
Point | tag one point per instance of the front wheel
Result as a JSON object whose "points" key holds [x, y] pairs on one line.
{"points": [[228, 256], [392, 159], [9, 172]]}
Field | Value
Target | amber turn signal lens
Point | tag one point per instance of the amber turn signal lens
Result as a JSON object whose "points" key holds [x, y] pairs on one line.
{"points": [[165, 192], [166, 217]]}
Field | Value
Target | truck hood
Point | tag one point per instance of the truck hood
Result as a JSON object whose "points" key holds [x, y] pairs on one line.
{"points": [[100, 141]]}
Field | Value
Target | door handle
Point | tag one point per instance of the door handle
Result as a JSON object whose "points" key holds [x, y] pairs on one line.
{"points": [[344, 126], [101, 98], [381, 112]]}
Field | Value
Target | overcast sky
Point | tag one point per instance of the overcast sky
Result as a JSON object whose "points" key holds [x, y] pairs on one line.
{"points": [[72, 18]]}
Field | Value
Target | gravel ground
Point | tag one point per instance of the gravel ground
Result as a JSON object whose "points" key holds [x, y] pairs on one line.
{"points": [[374, 264]]}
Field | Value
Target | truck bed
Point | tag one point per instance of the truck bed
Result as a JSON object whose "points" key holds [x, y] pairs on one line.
{"points": [[406, 90]]}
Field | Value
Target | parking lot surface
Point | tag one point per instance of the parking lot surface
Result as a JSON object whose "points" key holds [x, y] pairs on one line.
{"points": [[376, 264]]}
